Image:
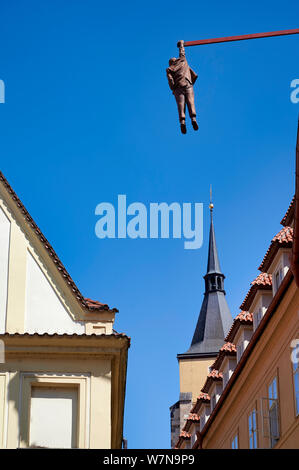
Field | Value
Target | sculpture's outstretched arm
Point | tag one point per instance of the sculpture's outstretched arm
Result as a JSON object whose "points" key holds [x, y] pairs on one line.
{"points": [[180, 45]]}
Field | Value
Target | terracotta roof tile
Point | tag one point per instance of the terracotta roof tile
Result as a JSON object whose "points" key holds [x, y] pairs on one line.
{"points": [[95, 304], [204, 397], [243, 318], [228, 347], [263, 279], [289, 215], [213, 376], [185, 435], [193, 417], [284, 239], [264, 282]]}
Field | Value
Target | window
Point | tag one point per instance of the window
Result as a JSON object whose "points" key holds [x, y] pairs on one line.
{"points": [[252, 430], [278, 278], [202, 419], [235, 444], [239, 351], [213, 402], [53, 417], [295, 359], [257, 318], [193, 438], [273, 412], [225, 378]]}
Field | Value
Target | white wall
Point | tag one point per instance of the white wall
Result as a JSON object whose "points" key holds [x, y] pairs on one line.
{"points": [[53, 417], [4, 256], [45, 313]]}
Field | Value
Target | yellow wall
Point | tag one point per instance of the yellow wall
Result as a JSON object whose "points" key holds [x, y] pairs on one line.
{"points": [[270, 357], [193, 374], [89, 364]]}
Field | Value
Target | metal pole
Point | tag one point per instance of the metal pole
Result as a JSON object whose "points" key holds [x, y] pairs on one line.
{"points": [[202, 42]]}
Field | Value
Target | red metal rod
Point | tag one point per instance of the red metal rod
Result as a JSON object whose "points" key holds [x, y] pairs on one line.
{"points": [[202, 42]]}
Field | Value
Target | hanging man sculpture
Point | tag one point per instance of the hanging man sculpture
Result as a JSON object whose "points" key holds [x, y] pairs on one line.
{"points": [[181, 79]]}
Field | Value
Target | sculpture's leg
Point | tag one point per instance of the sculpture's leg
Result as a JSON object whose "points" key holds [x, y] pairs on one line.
{"points": [[181, 103], [191, 106]]}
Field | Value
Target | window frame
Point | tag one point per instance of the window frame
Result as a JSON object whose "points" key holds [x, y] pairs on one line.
{"points": [[254, 434], [234, 441], [295, 373], [275, 399], [56, 379]]}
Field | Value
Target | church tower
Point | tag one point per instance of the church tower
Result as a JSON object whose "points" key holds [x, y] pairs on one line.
{"points": [[213, 324]]}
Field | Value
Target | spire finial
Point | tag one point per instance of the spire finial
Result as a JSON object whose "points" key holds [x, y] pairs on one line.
{"points": [[211, 205]]}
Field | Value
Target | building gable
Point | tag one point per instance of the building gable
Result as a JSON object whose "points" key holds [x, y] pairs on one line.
{"points": [[37, 294], [44, 310]]}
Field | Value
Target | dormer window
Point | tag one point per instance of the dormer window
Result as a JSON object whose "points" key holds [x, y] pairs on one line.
{"points": [[213, 402], [279, 268], [278, 277], [227, 368], [225, 378], [257, 318], [193, 438], [259, 307], [202, 418], [277, 259], [240, 349], [242, 339]]}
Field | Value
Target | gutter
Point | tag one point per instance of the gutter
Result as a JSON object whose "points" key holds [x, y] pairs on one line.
{"points": [[295, 250]]}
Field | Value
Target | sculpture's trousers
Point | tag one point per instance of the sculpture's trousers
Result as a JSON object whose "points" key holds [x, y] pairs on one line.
{"points": [[185, 96]]}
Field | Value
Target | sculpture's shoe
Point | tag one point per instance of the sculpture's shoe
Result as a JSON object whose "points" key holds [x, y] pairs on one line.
{"points": [[195, 125], [183, 128]]}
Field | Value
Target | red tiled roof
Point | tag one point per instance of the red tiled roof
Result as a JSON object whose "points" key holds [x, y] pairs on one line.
{"points": [[283, 239], [95, 304], [202, 398], [185, 435], [85, 303], [228, 349], [193, 417], [289, 215], [65, 335], [264, 282], [213, 376], [243, 318], [263, 279]]}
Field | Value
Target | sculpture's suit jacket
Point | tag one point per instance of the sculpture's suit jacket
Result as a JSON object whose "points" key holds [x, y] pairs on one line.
{"points": [[179, 74]]}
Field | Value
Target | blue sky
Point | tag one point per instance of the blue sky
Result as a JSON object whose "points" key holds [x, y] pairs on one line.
{"points": [[88, 116]]}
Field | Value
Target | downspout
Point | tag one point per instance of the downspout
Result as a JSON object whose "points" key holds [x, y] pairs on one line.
{"points": [[295, 250]]}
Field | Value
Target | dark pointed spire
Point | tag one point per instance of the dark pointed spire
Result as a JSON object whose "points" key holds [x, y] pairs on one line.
{"points": [[215, 319], [213, 260]]}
